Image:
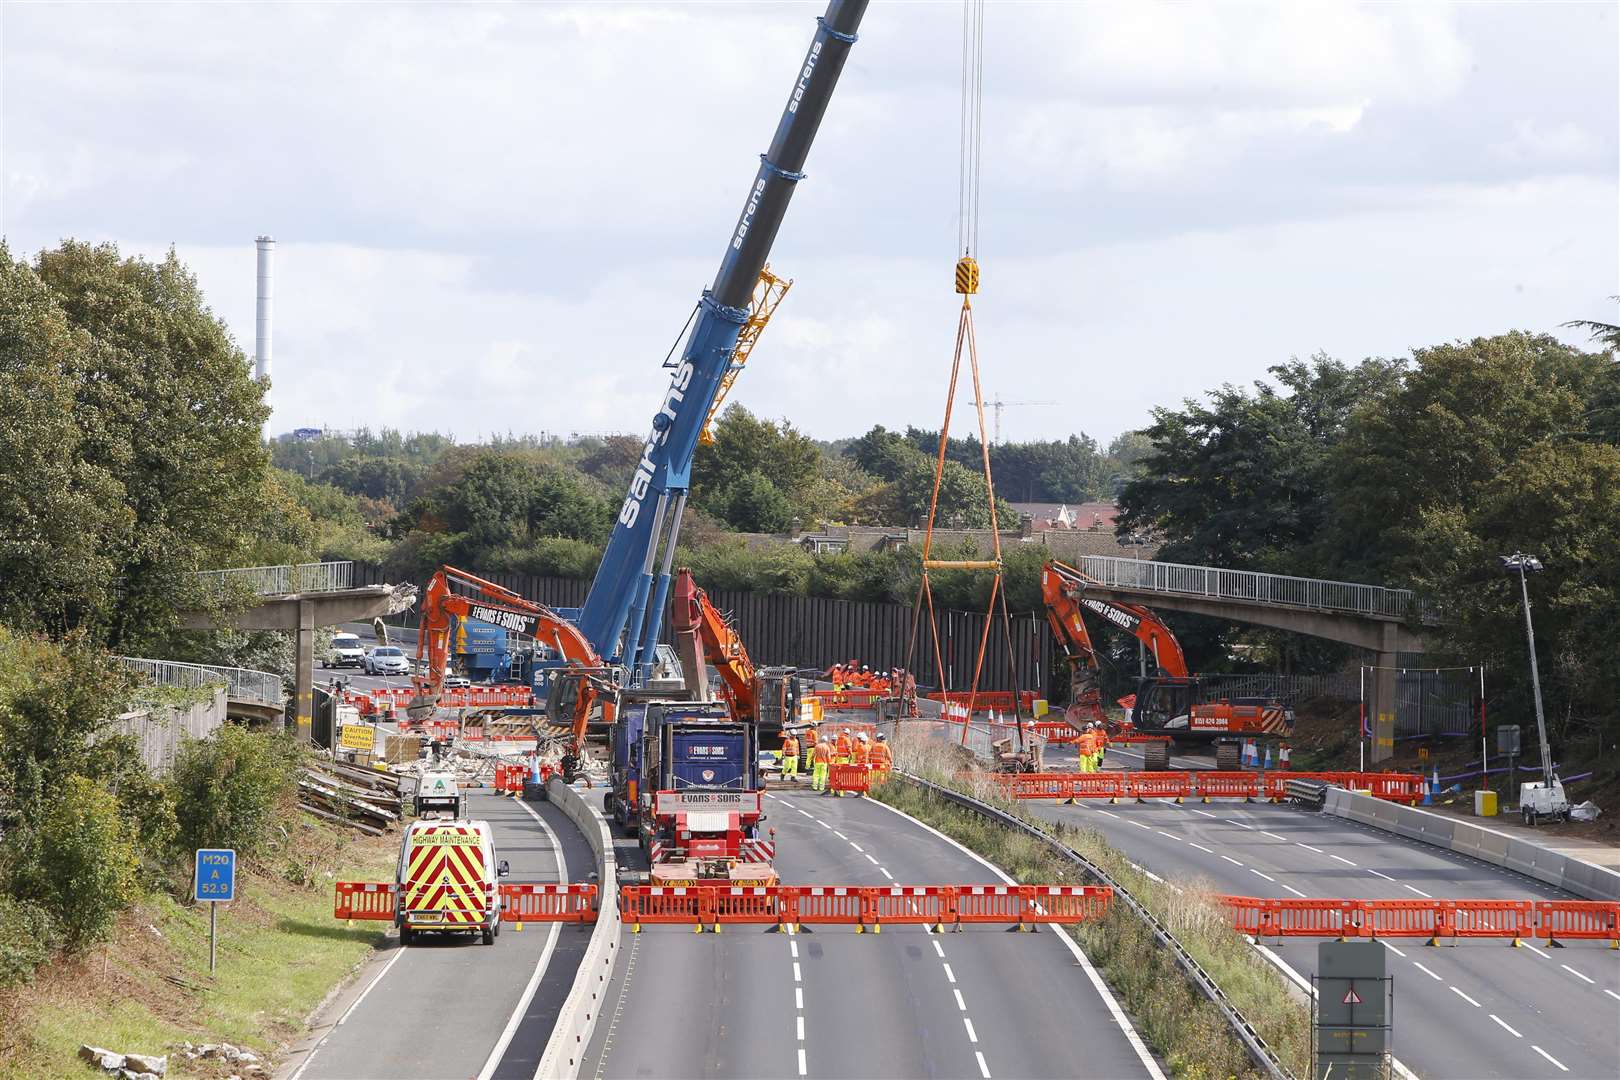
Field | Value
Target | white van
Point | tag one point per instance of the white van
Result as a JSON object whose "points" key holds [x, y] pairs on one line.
{"points": [[449, 880], [345, 651]]}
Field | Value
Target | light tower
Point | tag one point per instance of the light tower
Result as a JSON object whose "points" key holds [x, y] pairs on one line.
{"points": [[262, 316]]}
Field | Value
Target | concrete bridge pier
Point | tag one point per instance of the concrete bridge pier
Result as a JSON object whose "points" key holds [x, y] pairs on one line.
{"points": [[1381, 707]]}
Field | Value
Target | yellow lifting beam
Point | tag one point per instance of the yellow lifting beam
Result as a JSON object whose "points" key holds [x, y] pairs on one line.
{"points": [[768, 292]]}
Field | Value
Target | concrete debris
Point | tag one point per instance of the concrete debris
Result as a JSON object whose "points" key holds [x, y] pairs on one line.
{"points": [[155, 1064], [130, 1074], [1586, 811], [105, 1059]]}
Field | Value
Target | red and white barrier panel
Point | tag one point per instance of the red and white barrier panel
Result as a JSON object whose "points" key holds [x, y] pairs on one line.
{"points": [[864, 907], [1395, 787], [1435, 920], [548, 903]]}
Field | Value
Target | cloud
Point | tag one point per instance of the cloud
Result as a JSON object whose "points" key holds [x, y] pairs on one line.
{"points": [[497, 217]]}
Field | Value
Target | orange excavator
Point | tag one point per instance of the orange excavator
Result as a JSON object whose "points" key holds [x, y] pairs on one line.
{"points": [[705, 638], [1167, 703], [495, 604]]}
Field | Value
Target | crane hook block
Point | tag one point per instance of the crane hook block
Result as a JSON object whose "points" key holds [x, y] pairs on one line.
{"points": [[967, 275]]}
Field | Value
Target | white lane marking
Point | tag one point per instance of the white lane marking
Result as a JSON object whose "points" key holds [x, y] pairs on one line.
{"points": [[1195, 810], [793, 948], [806, 813], [1503, 1024], [885, 873], [399, 952], [1465, 997], [1139, 825], [1341, 858], [798, 976], [857, 847], [800, 1020], [1308, 847], [1143, 1054], [1201, 847], [1241, 825], [527, 996], [1274, 836], [840, 835], [1375, 873], [1549, 1057], [1611, 993], [1231, 860], [949, 974], [984, 1070], [967, 1022], [1420, 892], [1394, 950], [1295, 891], [1427, 972], [802, 1070], [1578, 975], [1537, 950], [798, 997], [1110, 813], [869, 858], [960, 1004], [1171, 835], [1257, 873], [940, 949], [823, 824]]}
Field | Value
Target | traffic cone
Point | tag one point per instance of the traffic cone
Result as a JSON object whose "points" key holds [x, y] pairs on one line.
{"points": [[1268, 757]]}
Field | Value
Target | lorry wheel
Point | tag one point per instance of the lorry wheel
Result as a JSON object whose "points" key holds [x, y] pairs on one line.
{"points": [[1228, 758], [1156, 757]]}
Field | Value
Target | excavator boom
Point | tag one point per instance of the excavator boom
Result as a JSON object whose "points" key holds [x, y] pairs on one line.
{"points": [[704, 638], [1064, 585]]}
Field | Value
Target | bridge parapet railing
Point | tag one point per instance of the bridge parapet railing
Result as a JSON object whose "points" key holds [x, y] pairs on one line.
{"points": [[1316, 593], [242, 684], [281, 580]]}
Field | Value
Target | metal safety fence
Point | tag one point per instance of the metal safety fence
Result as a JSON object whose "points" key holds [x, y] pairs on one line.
{"points": [[279, 580], [1316, 593], [241, 684]]}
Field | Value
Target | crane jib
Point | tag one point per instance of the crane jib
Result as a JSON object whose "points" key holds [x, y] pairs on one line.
{"points": [[621, 585]]}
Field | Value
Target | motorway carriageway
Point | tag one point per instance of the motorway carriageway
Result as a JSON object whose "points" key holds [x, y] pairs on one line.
{"points": [[450, 1006], [902, 1003], [1477, 1009]]}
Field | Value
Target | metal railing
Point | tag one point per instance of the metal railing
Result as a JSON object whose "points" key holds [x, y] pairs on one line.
{"points": [[1277, 589], [241, 684], [282, 580]]}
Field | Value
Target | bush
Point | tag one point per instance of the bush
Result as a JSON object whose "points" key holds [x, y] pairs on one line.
{"points": [[228, 786], [25, 939], [79, 862]]}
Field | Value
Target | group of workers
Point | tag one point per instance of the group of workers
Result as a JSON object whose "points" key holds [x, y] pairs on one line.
{"points": [[1092, 742], [822, 750], [857, 676]]}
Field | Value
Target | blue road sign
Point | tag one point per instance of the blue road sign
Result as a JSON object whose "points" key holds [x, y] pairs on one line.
{"points": [[216, 874]]}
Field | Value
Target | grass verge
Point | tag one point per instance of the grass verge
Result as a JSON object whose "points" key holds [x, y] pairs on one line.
{"points": [[147, 988], [1182, 1025]]}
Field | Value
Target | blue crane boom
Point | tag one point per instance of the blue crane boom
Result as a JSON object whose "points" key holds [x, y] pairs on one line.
{"points": [[616, 617]]}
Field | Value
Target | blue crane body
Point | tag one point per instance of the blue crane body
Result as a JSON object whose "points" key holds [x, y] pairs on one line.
{"points": [[624, 611]]}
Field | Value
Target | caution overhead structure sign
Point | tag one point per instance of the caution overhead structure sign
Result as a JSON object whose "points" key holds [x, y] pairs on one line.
{"points": [[357, 737]]}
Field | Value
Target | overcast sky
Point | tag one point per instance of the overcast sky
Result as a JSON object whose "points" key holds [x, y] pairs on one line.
{"points": [[497, 218]]}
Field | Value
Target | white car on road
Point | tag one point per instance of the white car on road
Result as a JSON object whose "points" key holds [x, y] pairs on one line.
{"points": [[387, 660]]}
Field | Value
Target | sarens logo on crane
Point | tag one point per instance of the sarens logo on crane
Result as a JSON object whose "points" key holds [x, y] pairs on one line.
{"points": [[1122, 619], [642, 481]]}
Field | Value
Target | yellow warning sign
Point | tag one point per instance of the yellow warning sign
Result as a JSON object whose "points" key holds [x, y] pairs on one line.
{"points": [[357, 737]]}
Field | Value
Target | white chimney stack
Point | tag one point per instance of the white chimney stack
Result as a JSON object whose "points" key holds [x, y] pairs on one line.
{"points": [[261, 322]]}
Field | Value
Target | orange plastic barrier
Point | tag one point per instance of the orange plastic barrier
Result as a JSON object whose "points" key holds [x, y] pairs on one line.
{"points": [[848, 699], [548, 903], [1589, 919], [365, 900], [1436, 920], [862, 907], [856, 778], [1158, 785], [1395, 787], [509, 777], [1227, 785]]}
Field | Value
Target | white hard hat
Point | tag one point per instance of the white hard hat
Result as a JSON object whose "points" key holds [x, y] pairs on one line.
{"points": [[861, 736]]}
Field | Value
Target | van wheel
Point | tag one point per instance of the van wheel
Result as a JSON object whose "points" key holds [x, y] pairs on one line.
{"points": [[489, 936], [405, 936]]}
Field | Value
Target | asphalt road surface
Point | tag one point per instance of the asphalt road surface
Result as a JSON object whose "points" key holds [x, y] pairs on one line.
{"points": [[903, 1003], [451, 1007], [1479, 1009]]}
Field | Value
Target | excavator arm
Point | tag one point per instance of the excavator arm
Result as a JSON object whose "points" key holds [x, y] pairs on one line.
{"points": [[1064, 586], [704, 635]]}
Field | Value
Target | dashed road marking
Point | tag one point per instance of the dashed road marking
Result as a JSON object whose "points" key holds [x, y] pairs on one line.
{"points": [[800, 1026], [1295, 891], [1274, 836], [869, 858], [949, 974], [1308, 847], [967, 1022], [984, 1070], [1503, 1024], [1341, 858], [885, 873], [1242, 825], [798, 976], [1201, 847], [798, 997], [1268, 877], [802, 1070], [793, 947], [1375, 873], [1427, 972], [857, 847], [1612, 994], [1206, 813], [1420, 892], [1394, 950], [1465, 997], [840, 835], [1110, 813], [823, 824], [960, 1004], [1139, 825], [1561, 1066], [1578, 975], [939, 949], [1231, 860]]}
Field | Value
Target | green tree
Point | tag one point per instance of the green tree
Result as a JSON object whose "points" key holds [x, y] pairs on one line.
{"points": [[753, 503], [78, 862], [230, 786]]}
